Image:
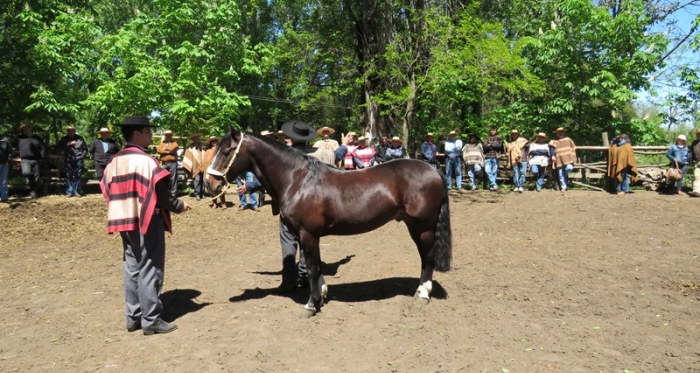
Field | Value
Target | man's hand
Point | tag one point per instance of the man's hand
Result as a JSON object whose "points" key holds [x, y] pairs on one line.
{"points": [[187, 207], [347, 140], [241, 189]]}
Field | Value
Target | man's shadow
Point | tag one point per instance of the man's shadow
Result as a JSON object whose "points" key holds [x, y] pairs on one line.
{"points": [[352, 292], [180, 302]]}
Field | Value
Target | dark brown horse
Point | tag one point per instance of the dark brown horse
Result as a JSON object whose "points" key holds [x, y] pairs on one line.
{"points": [[317, 200]]}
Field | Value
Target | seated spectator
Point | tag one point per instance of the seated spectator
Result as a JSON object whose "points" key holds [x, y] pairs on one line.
{"points": [[380, 149], [363, 155], [395, 150]]}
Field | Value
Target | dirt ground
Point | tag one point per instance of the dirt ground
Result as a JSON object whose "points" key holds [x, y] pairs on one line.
{"points": [[541, 282]]}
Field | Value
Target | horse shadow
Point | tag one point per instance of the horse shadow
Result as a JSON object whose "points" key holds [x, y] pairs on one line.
{"points": [[328, 269], [180, 302], [352, 292]]}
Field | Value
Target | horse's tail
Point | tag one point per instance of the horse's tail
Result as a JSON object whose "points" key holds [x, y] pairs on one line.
{"points": [[443, 233]]}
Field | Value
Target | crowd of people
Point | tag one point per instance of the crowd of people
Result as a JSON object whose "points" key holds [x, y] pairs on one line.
{"points": [[478, 158]]}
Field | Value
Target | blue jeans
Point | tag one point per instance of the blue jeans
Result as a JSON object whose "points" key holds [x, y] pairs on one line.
{"points": [[4, 168], [454, 166], [538, 171], [249, 177], [519, 170], [564, 175], [73, 171], [624, 185], [472, 171], [679, 184], [491, 166]]}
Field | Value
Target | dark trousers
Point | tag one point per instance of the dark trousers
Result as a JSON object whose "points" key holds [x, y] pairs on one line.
{"points": [[100, 170], [198, 185], [290, 243], [74, 169], [30, 169], [172, 168], [144, 265]]}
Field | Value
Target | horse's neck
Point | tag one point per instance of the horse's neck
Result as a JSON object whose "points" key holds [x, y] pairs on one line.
{"points": [[274, 168]]}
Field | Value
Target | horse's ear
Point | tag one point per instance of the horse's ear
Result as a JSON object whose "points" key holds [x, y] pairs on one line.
{"points": [[236, 135]]}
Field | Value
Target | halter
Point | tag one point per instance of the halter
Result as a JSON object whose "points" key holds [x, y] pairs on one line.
{"points": [[223, 174]]}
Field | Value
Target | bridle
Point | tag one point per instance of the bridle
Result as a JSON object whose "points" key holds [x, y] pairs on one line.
{"points": [[223, 174]]}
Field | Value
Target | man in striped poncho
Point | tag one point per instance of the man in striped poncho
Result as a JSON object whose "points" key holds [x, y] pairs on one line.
{"points": [[137, 191], [563, 156]]}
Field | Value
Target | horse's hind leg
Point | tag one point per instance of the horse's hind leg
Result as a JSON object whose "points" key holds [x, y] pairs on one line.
{"points": [[424, 240], [312, 254]]}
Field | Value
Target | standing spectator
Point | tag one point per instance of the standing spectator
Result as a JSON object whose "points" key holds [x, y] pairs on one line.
{"points": [[267, 134], [192, 163], [74, 150], [563, 156], [5, 157], [429, 150], [32, 152], [348, 163], [212, 143], [381, 148], [540, 153], [241, 180], [679, 155], [139, 203], [453, 163], [473, 157], [102, 150], [695, 161], [395, 150], [281, 137], [517, 159], [621, 164], [326, 142], [168, 158], [363, 155], [493, 148]]}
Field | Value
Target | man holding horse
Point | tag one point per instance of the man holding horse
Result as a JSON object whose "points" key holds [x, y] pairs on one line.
{"points": [[139, 202], [300, 133]]}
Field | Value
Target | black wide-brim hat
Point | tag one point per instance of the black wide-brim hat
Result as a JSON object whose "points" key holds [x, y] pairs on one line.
{"points": [[139, 121], [299, 131]]}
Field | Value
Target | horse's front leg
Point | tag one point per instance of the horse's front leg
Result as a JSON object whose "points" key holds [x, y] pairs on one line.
{"points": [[312, 254]]}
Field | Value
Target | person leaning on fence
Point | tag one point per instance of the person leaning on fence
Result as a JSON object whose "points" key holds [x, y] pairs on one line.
{"points": [[695, 161], [102, 150], [679, 156], [395, 150], [212, 143], [168, 158], [32, 152], [517, 150], [622, 165], [539, 155], [5, 158], [139, 202], [453, 161], [428, 150], [563, 156], [74, 151], [473, 157], [493, 148], [363, 156]]}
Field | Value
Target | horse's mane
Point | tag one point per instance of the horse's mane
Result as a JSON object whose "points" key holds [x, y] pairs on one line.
{"points": [[314, 166]]}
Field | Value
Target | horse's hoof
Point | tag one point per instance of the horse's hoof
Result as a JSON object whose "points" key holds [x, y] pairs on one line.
{"points": [[324, 291], [422, 301], [307, 313]]}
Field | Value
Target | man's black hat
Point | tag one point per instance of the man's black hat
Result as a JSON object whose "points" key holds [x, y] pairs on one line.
{"points": [[299, 131], [139, 121]]}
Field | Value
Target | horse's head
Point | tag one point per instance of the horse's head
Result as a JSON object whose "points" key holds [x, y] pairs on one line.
{"points": [[228, 162]]}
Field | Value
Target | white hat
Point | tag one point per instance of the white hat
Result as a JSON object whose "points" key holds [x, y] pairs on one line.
{"points": [[168, 132], [361, 138], [681, 137]]}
